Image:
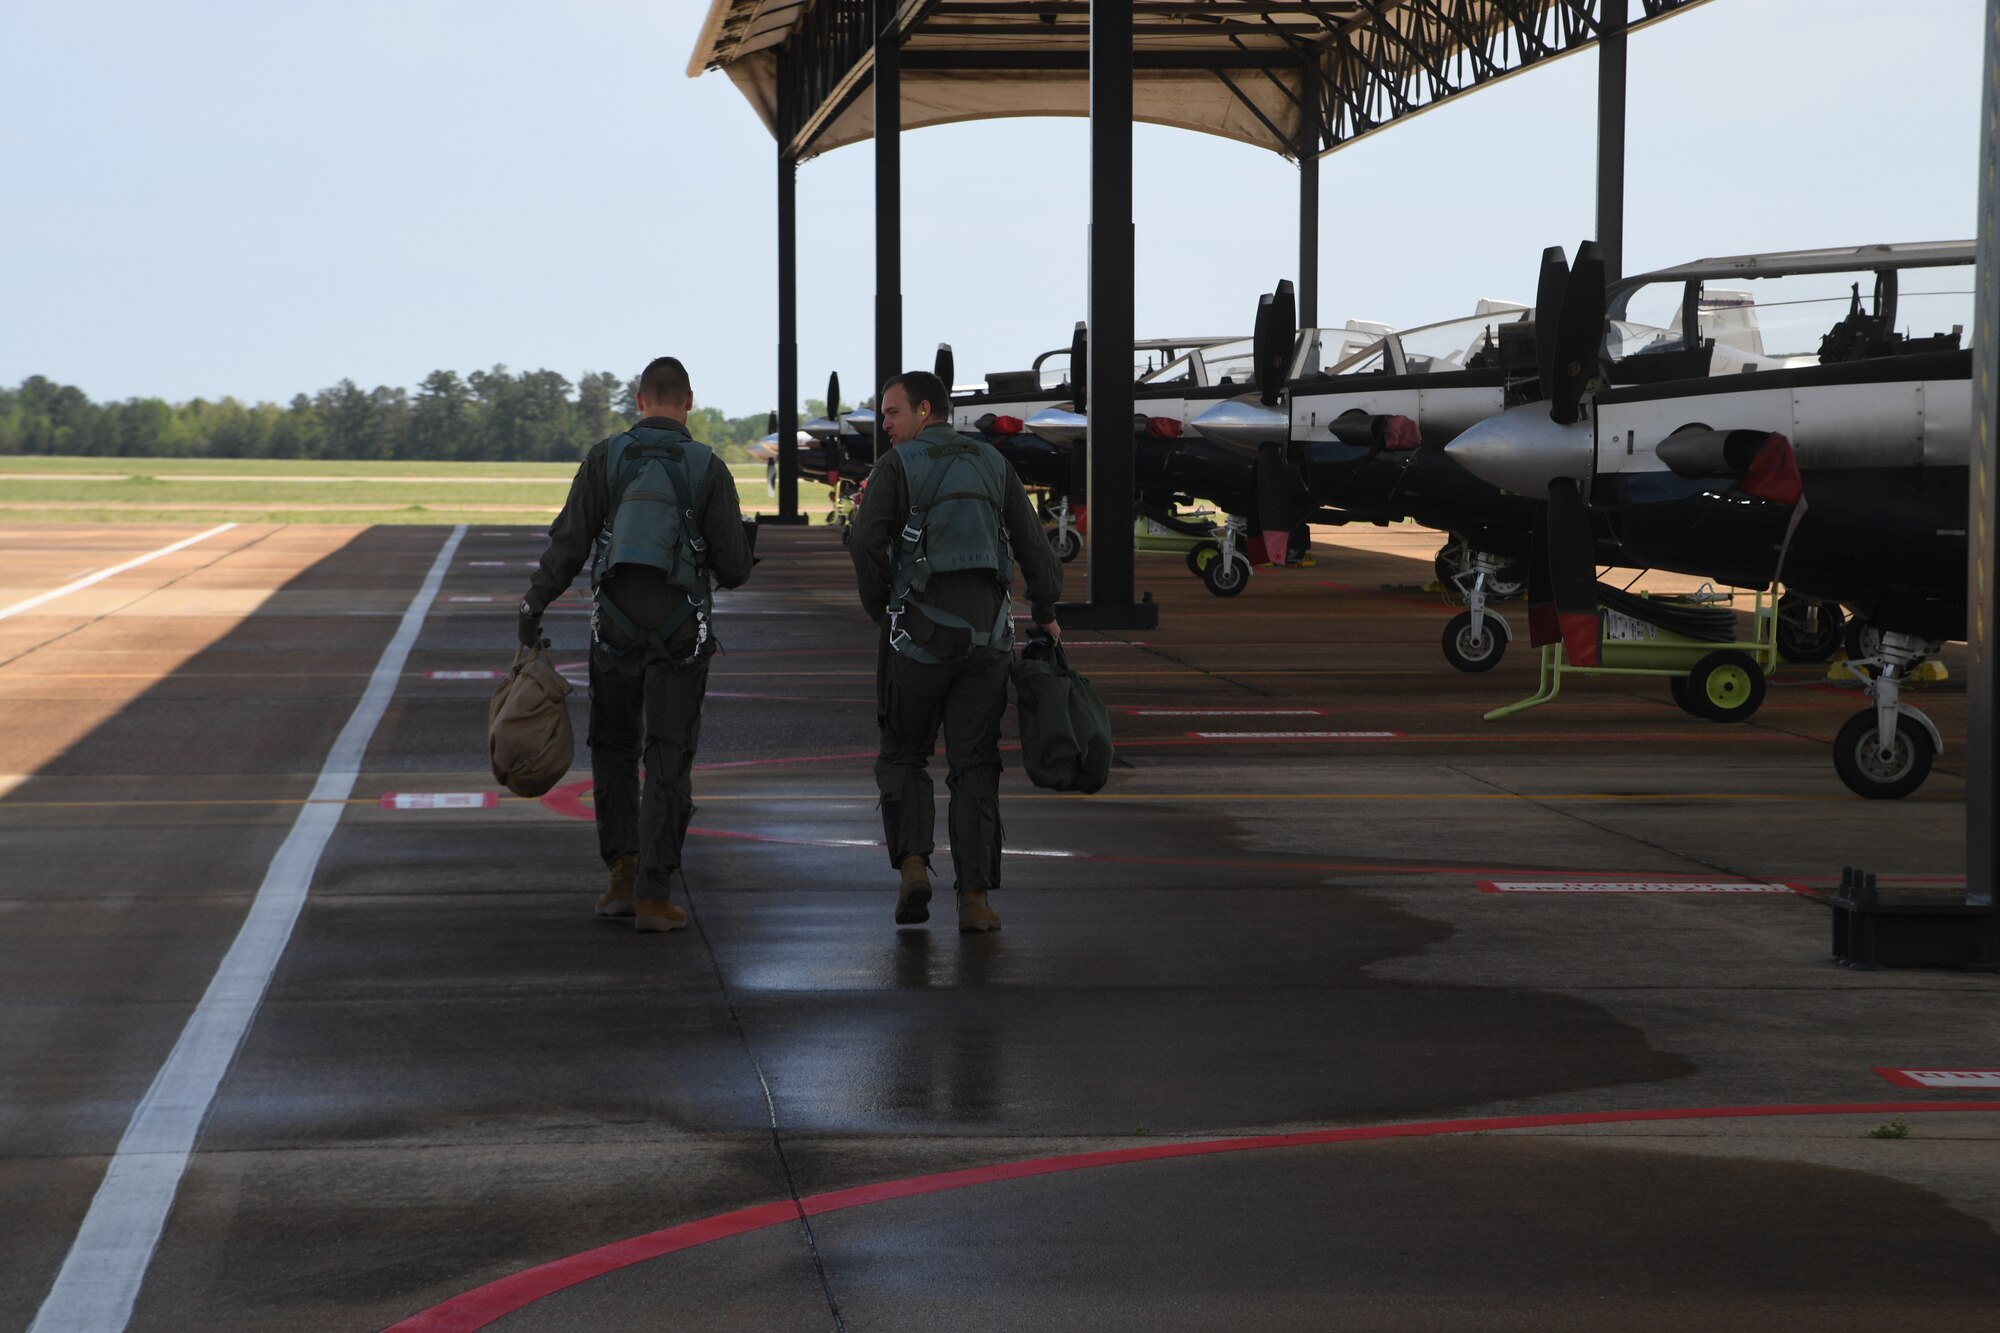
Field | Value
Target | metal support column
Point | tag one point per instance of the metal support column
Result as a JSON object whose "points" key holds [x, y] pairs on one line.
{"points": [[1111, 499], [1982, 730], [788, 338], [888, 194], [1611, 140], [1309, 234]]}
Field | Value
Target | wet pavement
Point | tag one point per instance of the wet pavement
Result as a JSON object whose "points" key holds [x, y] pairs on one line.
{"points": [[1272, 1054]]}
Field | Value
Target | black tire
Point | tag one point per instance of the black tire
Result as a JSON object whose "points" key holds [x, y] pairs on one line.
{"points": [[1726, 686], [1068, 545], [1227, 578], [1510, 582], [1468, 654], [1200, 556], [1678, 687], [1860, 639], [1804, 636], [1860, 765], [1445, 564]]}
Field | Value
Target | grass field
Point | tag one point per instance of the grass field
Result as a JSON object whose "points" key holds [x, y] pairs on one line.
{"points": [[210, 490]]}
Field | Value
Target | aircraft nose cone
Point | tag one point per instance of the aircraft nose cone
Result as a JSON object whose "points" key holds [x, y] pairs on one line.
{"points": [[1522, 450], [1059, 425], [1241, 425]]}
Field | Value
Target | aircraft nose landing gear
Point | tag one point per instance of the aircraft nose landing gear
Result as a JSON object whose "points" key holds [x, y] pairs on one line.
{"points": [[1885, 752], [1063, 534], [1476, 638], [1220, 566]]}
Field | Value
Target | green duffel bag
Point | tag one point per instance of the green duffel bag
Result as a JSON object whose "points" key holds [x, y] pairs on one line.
{"points": [[1065, 730]]}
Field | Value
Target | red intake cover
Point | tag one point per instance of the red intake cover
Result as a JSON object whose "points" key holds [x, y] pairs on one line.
{"points": [[1774, 473]]}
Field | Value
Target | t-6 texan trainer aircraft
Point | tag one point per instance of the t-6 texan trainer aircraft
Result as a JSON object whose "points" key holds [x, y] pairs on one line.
{"points": [[1249, 482], [1768, 422]]}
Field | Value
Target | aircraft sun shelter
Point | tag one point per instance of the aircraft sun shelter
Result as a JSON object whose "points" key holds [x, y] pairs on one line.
{"points": [[1301, 78]]}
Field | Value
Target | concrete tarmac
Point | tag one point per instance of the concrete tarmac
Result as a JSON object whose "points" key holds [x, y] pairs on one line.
{"points": [[1258, 1047]]}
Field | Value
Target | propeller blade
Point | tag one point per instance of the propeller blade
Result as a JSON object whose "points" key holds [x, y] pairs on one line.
{"points": [[833, 396], [774, 424], [1079, 367], [943, 366], [1579, 333], [1572, 561], [1277, 328], [1274, 508], [1548, 306]]}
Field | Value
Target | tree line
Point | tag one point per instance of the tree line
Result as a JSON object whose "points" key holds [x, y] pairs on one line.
{"points": [[486, 416]]}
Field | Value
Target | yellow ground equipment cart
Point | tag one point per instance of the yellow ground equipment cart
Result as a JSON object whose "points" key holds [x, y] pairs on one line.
{"points": [[1690, 639]]}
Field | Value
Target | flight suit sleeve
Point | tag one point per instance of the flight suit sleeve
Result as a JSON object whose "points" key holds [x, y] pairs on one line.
{"points": [[721, 520], [572, 534], [1041, 567], [875, 526]]}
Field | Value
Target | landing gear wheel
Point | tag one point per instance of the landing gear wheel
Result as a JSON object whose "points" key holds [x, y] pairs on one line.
{"points": [[1860, 639], [1470, 652], [1227, 578], [1201, 557], [1804, 636], [1859, 760], [1447, 563], [1726, 686], [1067, 543]]}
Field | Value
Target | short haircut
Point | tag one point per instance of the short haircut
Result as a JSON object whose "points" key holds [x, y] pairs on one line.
{"points": [[664, 380], [922, 387]]}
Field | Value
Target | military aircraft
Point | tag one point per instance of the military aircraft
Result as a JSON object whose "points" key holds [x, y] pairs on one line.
{"points": [[1352, 420], [1823, 443], [1262, 499]]}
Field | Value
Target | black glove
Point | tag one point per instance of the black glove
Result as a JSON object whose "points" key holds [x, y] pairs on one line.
{"points": [[529, 626]]}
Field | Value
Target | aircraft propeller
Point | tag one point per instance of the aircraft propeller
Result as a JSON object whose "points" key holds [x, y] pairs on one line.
{"points": [[1274, 333], [942, 366]]}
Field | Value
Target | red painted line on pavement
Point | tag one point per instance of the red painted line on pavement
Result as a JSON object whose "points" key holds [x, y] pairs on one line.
{"points": [[482, 1305]]}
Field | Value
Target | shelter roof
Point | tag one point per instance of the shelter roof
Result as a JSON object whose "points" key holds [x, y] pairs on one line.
{"points": [[1294, 76]]}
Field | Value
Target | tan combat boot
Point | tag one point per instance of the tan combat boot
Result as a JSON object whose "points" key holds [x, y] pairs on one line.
{"points": [[973, 913], [658, 914], [617, 900], [913, 895]]}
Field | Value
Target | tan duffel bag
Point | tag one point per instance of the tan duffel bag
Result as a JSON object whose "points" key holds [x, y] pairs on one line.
{"points": [[527, 726]]}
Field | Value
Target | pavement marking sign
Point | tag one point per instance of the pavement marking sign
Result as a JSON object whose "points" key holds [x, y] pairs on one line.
{"points": [[472, 599], [1295, 735], [1631, 886], [107, 1262], [464, 675], [1224, 712], [1980, 1080], [439, 800]]}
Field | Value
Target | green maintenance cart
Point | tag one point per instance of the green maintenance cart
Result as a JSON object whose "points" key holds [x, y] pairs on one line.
{"points": [[1690, 639]]}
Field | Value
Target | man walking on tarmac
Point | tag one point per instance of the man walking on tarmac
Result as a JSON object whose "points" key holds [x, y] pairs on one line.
{"points": [[942, 524], [655, 516]]}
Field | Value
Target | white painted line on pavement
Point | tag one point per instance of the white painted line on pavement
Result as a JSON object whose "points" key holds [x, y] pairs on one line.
{"points": [[103, 574], [1295, 735], [1630, 886], [107, 1262], [465, 675]]}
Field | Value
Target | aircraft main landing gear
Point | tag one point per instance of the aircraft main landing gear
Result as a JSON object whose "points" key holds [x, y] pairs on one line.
{"points": [[1808, 631], [1884, 752]]}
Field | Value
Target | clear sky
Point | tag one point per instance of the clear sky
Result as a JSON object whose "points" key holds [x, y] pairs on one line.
{"points": [[214, 197]]}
